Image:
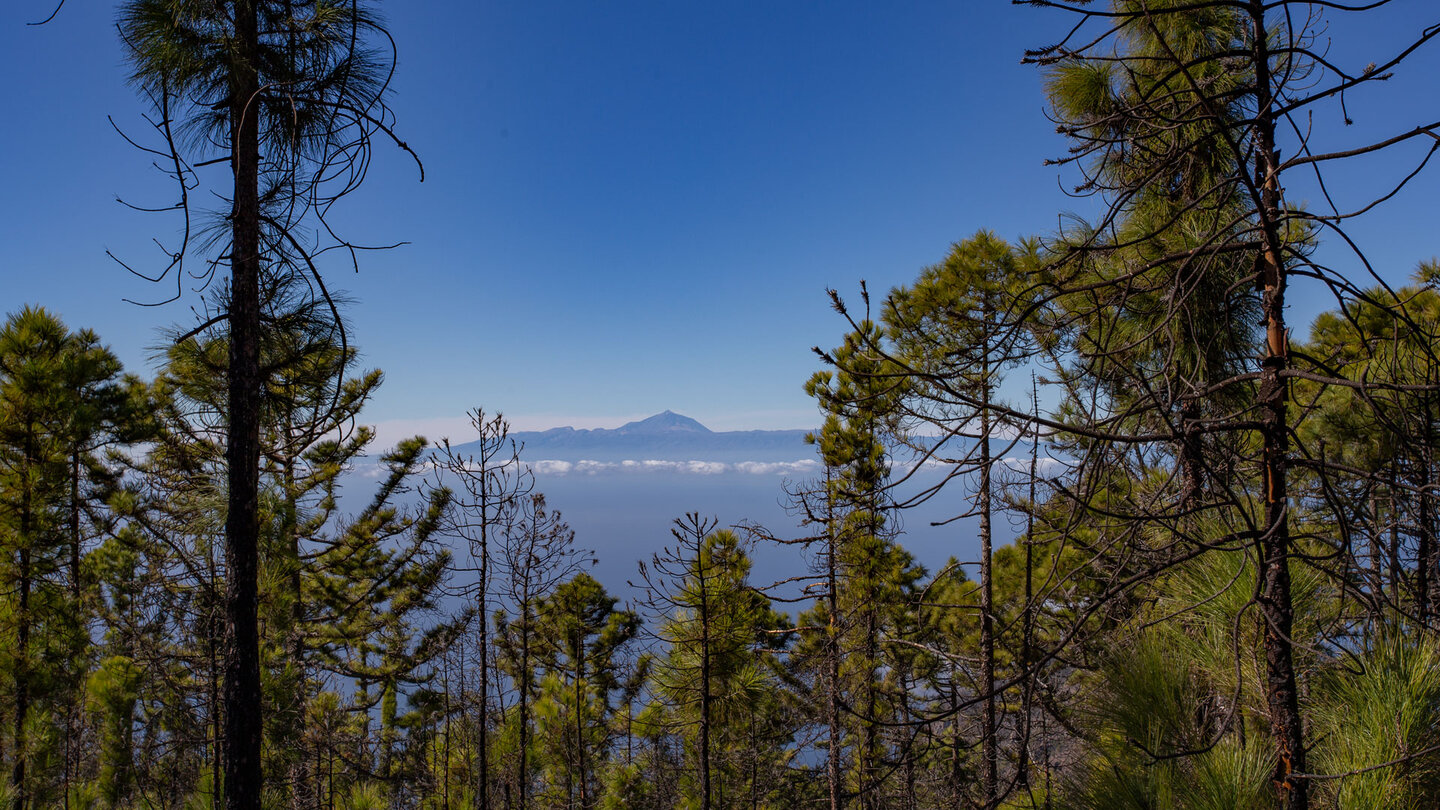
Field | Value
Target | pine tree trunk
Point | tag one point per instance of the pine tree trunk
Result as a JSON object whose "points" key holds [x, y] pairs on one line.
{"points": [[580, 721], [22, 620], [1428, 553], [75, 526], [1027, 629], [22, 674], [832, 655], [705, 698], [1281, 692], [72, 712], [957, 747], [869, 736], [482, 787], [523, 781], [989, 780], [243, 725]]}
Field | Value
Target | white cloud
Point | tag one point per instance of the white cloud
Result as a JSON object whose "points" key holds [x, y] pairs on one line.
{"points": [[804, 466]]}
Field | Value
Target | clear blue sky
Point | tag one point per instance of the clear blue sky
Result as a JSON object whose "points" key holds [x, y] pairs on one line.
{"points": [[629, 206]]}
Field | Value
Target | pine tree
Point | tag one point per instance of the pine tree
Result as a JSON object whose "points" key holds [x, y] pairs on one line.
{"points": [[490, 482], [581, 637], [1177, 111], [718, 685], [286, 93], [61, 396], [537, 554], [954, 332], [870, 580]]}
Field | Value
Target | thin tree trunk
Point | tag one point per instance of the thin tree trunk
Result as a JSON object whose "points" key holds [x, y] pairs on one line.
{"points": [[1377, 575], [1027, 630], [705, 697], [217, 745], [523, 781], [957, 747], [482, 788], [22, 620], [989, 779], [72, 748], [22, 654], [290, 533], [1281, 692], [832, 654], [243, 713], [1428, 554], [580, 718], [869, 738], [75, 526]]}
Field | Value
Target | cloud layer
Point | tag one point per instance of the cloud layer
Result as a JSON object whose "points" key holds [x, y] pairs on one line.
{"points": [[1047, 467]]}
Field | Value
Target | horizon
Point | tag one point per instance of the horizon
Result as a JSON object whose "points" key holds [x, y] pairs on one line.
{"points": [[459, 430]]}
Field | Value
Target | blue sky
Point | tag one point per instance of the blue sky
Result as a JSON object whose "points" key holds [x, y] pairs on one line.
{"points": [[629, 206]]}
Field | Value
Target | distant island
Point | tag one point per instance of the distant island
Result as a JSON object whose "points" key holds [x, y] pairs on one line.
{"points": [[666, 436]]}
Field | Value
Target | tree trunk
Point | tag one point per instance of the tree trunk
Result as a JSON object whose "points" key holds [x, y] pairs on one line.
{"points": [[482, 729], [22, 621], [22, 671], [243, 709], [523, 781], [869, 738], [957, 747], [1428, 553], [72, 749], [75, 526], [832, 654], [1281, 692], [833, 662], [579, 652], [705, 697], [989, 780]]}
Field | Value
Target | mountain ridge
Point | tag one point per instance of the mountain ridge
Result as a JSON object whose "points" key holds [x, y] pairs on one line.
{"points": [[665, 436]]}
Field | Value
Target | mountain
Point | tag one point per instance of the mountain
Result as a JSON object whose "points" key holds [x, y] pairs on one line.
{"points": [[620, 488], [666, 423], [666, 436]]}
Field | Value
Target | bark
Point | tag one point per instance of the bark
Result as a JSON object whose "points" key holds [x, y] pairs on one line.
{"points": [[243, 709], [989, 778], [482, 788], [1428, 553], [832, 654], [523, 782], [1281, 692], [1027, 631], [705, 697], [578, 651]]}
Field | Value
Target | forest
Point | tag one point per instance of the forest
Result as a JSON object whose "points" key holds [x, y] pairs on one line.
{"points": [[1211, 580]]}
